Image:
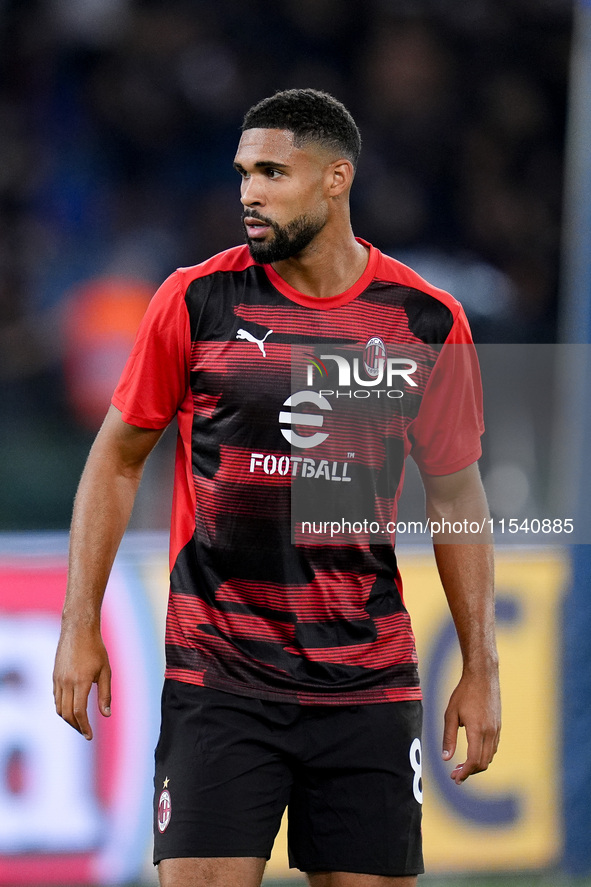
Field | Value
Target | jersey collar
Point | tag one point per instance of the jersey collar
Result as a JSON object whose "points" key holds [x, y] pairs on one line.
{"points": [[332, 301]]}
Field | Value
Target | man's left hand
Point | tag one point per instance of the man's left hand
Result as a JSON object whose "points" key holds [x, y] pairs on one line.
{"points": [[476, 705]]}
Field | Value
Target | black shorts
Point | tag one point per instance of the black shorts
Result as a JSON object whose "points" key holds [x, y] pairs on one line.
{"points": [[227, 766]]}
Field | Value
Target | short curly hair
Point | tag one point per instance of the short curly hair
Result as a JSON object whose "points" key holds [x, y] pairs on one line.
{"points": [[312, 116]]}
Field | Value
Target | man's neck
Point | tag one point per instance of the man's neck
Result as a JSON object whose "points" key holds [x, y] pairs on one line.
{"points": [[325, 268]]}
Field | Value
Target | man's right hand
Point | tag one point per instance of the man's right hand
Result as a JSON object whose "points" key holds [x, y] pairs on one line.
{"points": [[101, 513], [81, 661]]}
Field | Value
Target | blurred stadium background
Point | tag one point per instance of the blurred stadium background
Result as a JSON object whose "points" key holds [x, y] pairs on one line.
{"points": [[118, 124]]}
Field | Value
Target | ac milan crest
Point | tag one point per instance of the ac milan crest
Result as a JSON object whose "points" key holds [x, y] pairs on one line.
{"points": [[374, 356], [164, 810]]}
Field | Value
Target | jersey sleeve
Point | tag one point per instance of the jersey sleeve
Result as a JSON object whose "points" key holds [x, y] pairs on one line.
{"points": [[445, 436], [155, 379]]}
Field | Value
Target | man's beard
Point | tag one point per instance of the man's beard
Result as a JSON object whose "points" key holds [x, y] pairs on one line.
{"points": [[289, 240]]}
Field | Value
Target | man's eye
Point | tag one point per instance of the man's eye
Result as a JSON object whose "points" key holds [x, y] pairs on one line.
{"points": [[273, 173]]}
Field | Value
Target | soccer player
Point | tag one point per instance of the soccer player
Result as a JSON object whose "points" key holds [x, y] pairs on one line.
{"points": [[302, 368]]}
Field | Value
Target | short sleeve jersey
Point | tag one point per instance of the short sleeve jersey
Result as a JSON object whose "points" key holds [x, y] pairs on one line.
{"points": [[295, 415]]}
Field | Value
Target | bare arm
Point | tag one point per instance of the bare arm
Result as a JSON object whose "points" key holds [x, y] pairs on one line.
{"points": [[101, 513], [465, 565]]}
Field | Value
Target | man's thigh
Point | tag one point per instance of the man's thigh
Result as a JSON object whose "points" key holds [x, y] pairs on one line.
{"points": [[351, 879], [355, 806], [212, 872], [221, 785]]}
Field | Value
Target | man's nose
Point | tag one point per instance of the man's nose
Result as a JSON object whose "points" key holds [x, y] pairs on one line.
{"points": [[251, 192]]}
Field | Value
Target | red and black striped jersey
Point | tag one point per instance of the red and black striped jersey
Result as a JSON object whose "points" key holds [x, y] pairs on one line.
{"points": [[295, 416]]}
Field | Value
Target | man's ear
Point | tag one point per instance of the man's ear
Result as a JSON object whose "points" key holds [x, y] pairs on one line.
{"points": [[340, 177]]}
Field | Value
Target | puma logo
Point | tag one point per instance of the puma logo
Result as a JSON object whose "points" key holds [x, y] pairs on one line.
{"points": [[244, 334]]}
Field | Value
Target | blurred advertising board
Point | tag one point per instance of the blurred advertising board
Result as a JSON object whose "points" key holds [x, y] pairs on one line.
{"points": [[73, 812], [509, 818]]}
